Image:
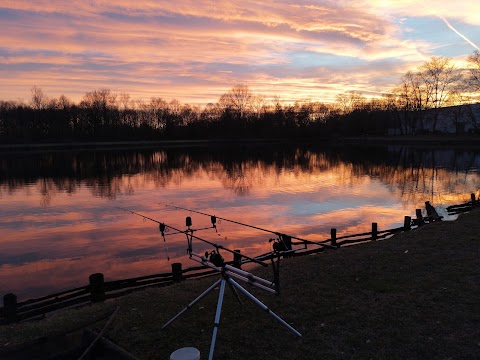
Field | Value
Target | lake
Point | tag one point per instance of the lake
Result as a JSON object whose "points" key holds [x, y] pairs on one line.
{"points": [[60, 220]]}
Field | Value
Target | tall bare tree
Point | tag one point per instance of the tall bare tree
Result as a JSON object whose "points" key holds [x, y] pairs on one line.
{"points": [[440, 78], [350, 101], [259, 106], [413, 99], [64, 102], [39, 99], [99, 104], [473, 80], [124, 99], [159, 112], [238, 99]]}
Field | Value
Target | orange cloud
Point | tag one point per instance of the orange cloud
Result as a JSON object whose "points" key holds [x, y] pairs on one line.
{"points": [[194, 50]]}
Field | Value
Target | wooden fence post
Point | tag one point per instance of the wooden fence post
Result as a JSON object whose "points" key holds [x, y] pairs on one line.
{"points": [[10, 307], [374, 231], [407, 223], [97, 287], [428, 207], [333, 236], [418, 213], [237, 259], [431, 211], [177, 272]]}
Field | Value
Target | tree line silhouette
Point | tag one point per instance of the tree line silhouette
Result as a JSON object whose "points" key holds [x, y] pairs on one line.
{"points": [[103, 115], [409, 171]]}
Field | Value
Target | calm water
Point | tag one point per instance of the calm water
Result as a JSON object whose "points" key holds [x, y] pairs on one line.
{"points": [[59, 220]]}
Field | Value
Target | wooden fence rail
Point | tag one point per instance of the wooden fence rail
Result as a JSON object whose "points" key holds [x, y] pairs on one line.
{"points": [[100, 290], [468, 206], [14, 312]]}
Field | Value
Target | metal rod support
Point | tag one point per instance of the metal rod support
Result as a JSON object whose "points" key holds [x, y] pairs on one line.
{"points": [[189, 306], [248, 275], [264, 307], [218, 313], [237, 276]]}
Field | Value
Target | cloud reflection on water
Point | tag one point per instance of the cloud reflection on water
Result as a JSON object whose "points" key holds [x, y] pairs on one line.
{"points": [[60, 223]]}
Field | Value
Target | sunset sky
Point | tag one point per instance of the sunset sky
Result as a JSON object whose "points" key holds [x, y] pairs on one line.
{"points": [[195, 50]]}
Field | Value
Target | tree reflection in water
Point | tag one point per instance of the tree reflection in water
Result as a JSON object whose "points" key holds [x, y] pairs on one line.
{"points": [[409, 172], [59, 222]]}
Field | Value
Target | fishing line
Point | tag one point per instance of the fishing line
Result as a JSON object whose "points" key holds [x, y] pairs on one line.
{"points": [[281, 236], [189, 234]]}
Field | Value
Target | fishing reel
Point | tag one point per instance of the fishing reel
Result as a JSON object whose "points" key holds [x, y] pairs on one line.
{"points": [[215, 258], [282, 243], [277, 245]]}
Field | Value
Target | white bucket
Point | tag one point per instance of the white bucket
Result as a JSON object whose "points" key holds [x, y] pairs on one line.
{"points": [[186, 353]]}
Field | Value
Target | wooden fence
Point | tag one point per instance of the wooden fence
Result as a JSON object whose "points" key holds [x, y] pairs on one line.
{"points": [[99, 290], [96, 291], [468, 206]]}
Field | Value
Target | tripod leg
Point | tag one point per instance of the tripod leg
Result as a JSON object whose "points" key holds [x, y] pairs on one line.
{"points": [[263, 306], [217, 318], [235, 293], [189, 306]]}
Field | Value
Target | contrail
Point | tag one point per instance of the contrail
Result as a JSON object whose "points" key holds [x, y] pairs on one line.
{"points": [[458, 32]]}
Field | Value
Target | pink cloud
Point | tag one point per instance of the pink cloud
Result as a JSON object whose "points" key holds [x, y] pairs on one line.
{"points": [[194, 50]]}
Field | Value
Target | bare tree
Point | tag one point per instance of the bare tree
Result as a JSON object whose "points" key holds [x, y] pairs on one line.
{"points": [[64, 102], [350, 101], [259, 105], [143, 114], [473, 80], [413, 99], [159, 112], [189, 114], [239, 99], [39, 99], [101, 99], [440, 78], [320, 111], [124, 99], [388, 102], [211, 112], [175, 114], [100, 104]]}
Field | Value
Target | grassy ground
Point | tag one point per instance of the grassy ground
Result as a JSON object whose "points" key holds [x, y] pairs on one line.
{"points": [[414, 296]]}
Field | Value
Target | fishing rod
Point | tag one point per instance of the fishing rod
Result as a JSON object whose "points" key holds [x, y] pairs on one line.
{"points": [[190, 236], [162, 226], [280, 235]]}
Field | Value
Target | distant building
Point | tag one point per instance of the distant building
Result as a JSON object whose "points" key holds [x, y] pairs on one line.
{"points": [[449, 120]]}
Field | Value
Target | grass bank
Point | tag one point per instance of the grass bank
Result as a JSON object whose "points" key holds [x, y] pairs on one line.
{"points": [[413, 296]]}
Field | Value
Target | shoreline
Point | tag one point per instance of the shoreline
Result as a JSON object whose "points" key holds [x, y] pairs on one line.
{"points": [[427, 140]]}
